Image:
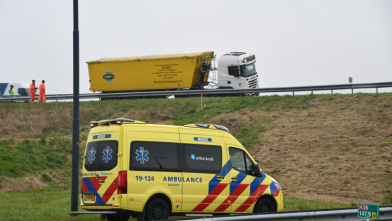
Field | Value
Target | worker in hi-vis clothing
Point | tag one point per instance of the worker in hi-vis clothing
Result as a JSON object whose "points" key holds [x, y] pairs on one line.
{"points": [[33, 89], [12, 90], [42, 92]]}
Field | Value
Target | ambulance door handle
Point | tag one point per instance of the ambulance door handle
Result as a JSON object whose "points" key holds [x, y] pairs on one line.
{"points": [[220, 177], [234, 178]]}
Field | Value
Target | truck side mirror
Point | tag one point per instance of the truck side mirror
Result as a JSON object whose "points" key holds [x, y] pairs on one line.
{"points": [[256, 170]]}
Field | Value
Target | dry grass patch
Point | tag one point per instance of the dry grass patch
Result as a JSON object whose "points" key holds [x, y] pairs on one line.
{"points": [[22, 184], [338, 152]]}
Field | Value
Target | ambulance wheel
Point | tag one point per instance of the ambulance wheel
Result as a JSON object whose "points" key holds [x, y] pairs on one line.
{"points": [[157, 210], [264, 206], [119, 217]]}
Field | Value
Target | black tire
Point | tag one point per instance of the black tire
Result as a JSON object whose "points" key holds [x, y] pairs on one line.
{"points": [[118, 217], [264, 206], [157, 209], [111, 217]]}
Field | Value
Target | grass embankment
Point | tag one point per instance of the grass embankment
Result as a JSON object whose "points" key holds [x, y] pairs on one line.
{"points": [[328, 148]]}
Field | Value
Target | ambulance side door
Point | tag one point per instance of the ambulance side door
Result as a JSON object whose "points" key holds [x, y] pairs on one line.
{"points": [[205, 170], [154, 165], [244, 187]]}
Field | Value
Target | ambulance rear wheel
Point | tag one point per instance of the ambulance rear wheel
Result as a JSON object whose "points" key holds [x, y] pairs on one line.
{"points": [[157, 210], [264, 206], [118, 217]]}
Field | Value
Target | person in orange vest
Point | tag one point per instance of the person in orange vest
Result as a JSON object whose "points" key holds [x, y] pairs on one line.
{"points": [[33, 89], [42, 93]]}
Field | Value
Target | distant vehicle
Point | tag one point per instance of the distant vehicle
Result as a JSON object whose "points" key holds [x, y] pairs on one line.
{"points": [[235, 70], [152, 171], [21, 89]]}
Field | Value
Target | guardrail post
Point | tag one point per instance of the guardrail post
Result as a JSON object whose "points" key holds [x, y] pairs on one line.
{"points": [[331, 91], [312, 92], [352, 91], [293, 93], [376, 90]]}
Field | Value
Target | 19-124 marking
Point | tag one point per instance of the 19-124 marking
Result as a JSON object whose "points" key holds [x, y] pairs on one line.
{"points": [[145, 178]]}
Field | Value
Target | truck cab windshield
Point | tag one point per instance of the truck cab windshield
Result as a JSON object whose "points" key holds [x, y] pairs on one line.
{"points": [[248, 70]]}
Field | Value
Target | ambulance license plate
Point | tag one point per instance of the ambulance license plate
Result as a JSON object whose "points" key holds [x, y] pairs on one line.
{"points": [[90, 197]]}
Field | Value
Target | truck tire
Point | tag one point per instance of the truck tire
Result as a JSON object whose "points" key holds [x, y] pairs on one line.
{"points": [[157, 210], [264, 206]]}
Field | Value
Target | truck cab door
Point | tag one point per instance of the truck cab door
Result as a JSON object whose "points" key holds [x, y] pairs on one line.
{"points": [[234, 76]]}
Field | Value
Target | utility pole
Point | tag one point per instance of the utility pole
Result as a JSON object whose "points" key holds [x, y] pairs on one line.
{"points": [[75, 121]]}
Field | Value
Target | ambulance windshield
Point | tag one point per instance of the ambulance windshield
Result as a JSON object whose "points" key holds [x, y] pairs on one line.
{"points": [[101, 155]]}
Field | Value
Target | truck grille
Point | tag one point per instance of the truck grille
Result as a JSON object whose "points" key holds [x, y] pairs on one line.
{"points": [[253, 83]]}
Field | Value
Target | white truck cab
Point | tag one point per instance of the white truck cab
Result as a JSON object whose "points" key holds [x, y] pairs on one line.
{"points": [[237, 70]]}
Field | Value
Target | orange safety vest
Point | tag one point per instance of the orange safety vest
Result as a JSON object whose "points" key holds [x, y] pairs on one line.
{"points": [[33, 88], [42, 88]]}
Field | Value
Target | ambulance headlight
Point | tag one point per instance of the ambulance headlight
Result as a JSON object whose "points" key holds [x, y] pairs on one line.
{"points": [[278, 186]]}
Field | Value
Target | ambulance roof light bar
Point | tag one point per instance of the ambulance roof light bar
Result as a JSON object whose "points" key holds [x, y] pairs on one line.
{"points": [[118, 121], [209, 126]]}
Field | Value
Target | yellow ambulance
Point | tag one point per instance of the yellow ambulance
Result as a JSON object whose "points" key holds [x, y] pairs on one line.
{"points": [[153, 171]]}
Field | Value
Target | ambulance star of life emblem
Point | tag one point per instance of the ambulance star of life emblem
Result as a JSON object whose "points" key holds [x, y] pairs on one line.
{"points": [[142, 155], [107, 154], [91, 155]]}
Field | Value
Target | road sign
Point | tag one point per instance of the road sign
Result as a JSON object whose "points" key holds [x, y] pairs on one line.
{"points": [[350, 79], [368, 211]]}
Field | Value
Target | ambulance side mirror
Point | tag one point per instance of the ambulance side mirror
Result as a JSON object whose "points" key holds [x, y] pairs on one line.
{"points": [[256, 170]]}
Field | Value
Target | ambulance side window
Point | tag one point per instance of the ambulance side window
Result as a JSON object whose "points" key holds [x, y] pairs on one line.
{"points": [[240, 161], [155, 156], [202, 158], [237, 159]]}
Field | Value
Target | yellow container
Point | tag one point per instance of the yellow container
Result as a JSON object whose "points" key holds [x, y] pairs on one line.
{"points": [[156, 72]]}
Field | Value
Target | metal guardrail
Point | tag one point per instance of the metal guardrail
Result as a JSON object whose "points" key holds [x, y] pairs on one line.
{"points": [[316, 215], [56, 97]]}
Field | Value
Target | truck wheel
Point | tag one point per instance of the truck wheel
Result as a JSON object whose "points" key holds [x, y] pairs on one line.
{"points": [[264, 206], [157, 210]]}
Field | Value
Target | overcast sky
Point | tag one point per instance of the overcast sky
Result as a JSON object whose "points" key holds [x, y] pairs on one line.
{"points": [[296, 43]]}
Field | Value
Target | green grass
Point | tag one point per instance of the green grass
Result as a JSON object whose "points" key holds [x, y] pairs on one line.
{"points": [[54, 204], [41, 204], [33, 155], [47, 152], [293, 204], [49, 148], [181, 111]]}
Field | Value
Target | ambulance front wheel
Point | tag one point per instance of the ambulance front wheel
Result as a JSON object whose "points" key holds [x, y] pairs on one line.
{"points": [[157, 209], [264, 206]]}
